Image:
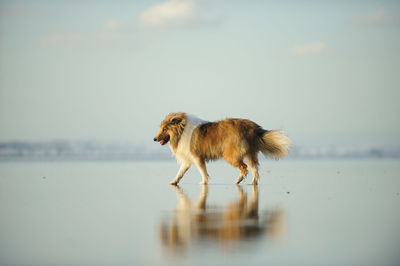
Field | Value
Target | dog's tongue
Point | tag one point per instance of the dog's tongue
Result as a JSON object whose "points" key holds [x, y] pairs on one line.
{"points": [[162, 142]]}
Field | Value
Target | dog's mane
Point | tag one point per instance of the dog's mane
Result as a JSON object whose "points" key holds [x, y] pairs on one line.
{"points": [[182, 135], [178, 131]]}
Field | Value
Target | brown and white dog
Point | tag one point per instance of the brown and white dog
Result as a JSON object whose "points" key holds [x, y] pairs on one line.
{"points": [[238, 141]]}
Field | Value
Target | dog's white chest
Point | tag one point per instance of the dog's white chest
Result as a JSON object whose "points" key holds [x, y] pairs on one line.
{"points": [[182, 152]]}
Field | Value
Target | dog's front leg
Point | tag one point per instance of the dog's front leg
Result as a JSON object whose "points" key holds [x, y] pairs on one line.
{"points": [[184, 167], [201, 165]]}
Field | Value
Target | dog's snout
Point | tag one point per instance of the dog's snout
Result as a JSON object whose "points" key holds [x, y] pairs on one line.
{"points": [[154, 139]]}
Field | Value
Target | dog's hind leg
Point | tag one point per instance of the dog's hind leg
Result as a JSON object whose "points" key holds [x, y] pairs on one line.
{"points": [[243, 171], [238, 163], [252, 162], [184, 167], [201, 165]]}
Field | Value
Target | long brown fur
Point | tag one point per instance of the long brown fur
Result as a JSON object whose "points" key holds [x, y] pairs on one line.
{"points": [[236, 140]]}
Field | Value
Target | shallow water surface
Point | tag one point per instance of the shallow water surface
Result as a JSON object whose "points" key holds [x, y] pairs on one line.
{"points": [[125, 213]]}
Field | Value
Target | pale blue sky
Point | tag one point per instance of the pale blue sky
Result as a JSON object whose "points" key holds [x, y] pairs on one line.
{"points": [[325, 71]]}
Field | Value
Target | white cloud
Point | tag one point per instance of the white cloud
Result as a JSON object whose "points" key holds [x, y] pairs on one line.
{"points": [[309, 48], [112, 31], [112, 25], [377, 18], [169, 13], [380, 16], [66, 38]]}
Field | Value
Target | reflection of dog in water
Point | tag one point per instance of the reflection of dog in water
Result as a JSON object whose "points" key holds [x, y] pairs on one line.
{"points": [[194, 221]]}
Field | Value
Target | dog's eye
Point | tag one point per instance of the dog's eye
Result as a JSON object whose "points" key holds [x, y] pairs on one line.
{"points": [[164, 129]]}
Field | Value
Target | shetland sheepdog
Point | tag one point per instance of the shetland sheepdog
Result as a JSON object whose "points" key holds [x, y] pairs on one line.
{"points": [[238, 141]]}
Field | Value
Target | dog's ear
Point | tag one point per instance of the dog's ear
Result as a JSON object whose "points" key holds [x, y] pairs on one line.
{"points": [[176, 120]]}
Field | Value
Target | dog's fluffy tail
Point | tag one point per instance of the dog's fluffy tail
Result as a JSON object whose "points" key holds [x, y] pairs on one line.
{"points": [[274, 144]]}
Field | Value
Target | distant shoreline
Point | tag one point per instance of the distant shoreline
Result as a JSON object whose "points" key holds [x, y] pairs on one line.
{"points": [[124, 151]]}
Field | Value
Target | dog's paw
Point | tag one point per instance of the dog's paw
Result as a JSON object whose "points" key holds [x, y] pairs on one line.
{"points": [[173, 182], [240, 179], [253, 183]]}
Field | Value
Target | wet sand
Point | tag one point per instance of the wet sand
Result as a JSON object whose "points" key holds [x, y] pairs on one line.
{"points": [[125, 213]]}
